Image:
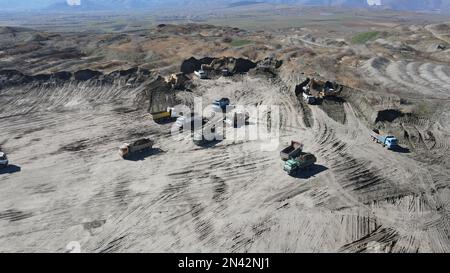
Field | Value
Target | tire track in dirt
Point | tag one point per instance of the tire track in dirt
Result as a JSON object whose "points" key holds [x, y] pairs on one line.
{"points": [[414, 78]]}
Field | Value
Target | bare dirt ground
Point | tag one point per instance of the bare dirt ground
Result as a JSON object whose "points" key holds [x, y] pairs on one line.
{"points": [[69, 184]]}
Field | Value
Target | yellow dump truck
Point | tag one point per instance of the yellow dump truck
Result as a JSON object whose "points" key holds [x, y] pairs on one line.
{"points": [[169, 113]]}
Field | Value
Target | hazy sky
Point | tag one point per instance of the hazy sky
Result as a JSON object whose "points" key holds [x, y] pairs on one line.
{"points": [[374, 2], [78, 2], [74, 2]]}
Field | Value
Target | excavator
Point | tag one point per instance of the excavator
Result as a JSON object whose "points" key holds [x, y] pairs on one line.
{"points": [[176, 80], [315, 91], [223, 64]]}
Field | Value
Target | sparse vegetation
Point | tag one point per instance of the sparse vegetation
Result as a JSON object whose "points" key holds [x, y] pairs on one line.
{"points": [[364, 37], [227, 40], [241, 42], [423, 109]]}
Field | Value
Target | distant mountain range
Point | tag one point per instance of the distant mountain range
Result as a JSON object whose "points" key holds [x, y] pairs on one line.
{"points": [[93, 5]]}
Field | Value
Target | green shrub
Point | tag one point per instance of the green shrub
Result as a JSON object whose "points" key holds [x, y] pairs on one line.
{"points": [[364, 37], [240, 42]]}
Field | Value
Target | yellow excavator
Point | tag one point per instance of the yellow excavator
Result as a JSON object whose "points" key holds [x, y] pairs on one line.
{"points": [[316, 90], [220, 64], [176, 80]]}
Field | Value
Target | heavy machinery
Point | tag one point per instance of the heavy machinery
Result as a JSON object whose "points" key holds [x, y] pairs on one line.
{"points": [[220, 64], [169, 113], [300, 163], [138, 146], [212, 130], [201, 74], [177, 80], [237, 118], [314, 91], [384, 139], [3, 160], [292, 151], [309, 99], [192, 121], [198, 137], [221, 104]]}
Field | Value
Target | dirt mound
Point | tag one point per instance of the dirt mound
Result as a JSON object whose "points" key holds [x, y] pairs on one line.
{"points": [[13, 77], [440, 28], [269, 65], [192, 64], [235, 65], [334, 108], [87, 74], [9, 30], [388, 115], [159, 94]]}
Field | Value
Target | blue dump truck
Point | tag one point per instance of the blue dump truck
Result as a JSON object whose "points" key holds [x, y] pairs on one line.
{"points": [[221, 105], [388, 141]]}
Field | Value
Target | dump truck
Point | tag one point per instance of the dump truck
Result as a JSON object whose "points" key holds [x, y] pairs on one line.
{"points": [[193, 120], [3, 160], [222, 104], [138, 146], [169, 113], [235, 118], [209, 132], [199, 137], [292, 151], [302, 162], [384, 139], [201, 74]]}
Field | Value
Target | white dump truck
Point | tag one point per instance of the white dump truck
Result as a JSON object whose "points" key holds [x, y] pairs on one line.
{"points": [[138, 146], [3, 160], [237, 118]]}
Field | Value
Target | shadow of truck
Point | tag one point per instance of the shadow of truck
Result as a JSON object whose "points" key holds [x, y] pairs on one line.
{"points": [[310, 172], [10, 169], [142, 155]]}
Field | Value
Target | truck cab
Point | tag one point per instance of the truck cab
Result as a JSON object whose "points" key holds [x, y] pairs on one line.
{"points": [[386, 140], [391, 142], [302, 162], [194, 119], [291, 166], [3, 160], [139, 145], [221, 104]]}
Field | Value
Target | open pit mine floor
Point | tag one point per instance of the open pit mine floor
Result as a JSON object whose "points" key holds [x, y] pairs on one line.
{"points": [[67, 182]]}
